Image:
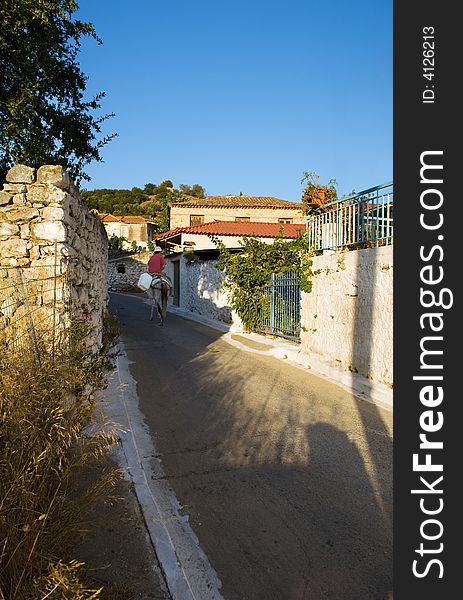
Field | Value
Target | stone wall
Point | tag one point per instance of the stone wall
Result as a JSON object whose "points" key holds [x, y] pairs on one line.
{"points": [[46, 230], [347, 318], [123, 272]]}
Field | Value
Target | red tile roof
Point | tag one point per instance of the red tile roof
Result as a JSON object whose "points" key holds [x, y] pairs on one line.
{"points": [[238, 228], [240, 202]]}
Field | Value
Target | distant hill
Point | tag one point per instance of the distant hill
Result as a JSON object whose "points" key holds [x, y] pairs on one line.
{"points": [[150, 202]]}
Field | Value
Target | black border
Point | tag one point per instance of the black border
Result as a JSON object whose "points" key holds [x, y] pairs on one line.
{"points": [[420, 127]]}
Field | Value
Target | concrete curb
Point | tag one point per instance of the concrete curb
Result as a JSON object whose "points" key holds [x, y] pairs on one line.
{"points": [[186, 568]]}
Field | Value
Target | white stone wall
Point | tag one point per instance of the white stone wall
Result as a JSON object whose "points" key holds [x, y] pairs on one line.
{"points": [[347, 318], [46, 228], [201, 290], [204, 242]]}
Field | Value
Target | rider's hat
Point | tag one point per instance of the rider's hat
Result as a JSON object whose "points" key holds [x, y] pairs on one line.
{"points": [[158, 249]]}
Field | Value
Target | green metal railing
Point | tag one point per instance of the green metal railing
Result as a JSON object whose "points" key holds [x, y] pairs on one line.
{"points": [[360, 220]]}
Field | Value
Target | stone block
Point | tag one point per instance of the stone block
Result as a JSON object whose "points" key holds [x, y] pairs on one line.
{"points": [[54, 175], [20, 199], [14, 248], [54, 231], [5, 198], [19, 214], [47, 263], [25, 231], [20, 174], [15, 188], [35, 253], [53, 213], [46, 194], [8, 230]]}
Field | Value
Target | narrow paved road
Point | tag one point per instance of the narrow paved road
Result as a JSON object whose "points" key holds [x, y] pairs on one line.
{"points": [[286, 478]]}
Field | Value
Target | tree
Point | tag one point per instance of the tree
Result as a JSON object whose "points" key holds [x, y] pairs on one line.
{"points": [[138, 201], [150, 189], [195, 190], [166, 184], [198, 191], [185, 189], [44, 116], [169, 197]]}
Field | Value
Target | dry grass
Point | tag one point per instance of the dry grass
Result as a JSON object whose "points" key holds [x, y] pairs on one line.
{"points": [[43, 409]]}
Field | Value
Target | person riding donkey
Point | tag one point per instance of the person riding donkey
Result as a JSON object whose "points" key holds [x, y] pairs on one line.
{"points": [[161, 284], [157, 262]]}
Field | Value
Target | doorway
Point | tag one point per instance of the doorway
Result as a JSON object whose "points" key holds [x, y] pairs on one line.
{"points": [[176, 297]]}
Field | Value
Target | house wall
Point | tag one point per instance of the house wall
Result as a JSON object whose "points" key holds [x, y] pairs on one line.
{"points": [[137, 232], [56, 246], [347, 318], [180, 215], [203, 242], [201, 290]]}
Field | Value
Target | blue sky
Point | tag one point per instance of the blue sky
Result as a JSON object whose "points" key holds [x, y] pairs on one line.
{"points": [[243, 96]]}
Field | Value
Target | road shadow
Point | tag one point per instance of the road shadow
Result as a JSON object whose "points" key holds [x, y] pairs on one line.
{"points": [[285, 491]]}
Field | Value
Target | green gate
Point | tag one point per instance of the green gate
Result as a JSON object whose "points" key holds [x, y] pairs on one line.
{"points": [[282, 316]]}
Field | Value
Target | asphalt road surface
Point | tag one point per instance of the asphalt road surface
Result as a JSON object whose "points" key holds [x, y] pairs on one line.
{"points": [[286, 477]]}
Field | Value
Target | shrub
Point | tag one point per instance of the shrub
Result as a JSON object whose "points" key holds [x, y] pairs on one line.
{"points": [[250, 270], [43, 410]]}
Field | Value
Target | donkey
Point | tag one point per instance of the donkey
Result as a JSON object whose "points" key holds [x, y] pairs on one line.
{"points": [[158, 293]]}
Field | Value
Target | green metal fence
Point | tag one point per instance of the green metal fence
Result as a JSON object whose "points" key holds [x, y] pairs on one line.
{"points": [[283, 299]]}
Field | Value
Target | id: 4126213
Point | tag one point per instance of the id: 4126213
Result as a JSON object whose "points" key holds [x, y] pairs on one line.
{"points": [[428, 65]]}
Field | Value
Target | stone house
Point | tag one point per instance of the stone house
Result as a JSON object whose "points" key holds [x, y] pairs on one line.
{"points": [[134, 228], [257, 209]]}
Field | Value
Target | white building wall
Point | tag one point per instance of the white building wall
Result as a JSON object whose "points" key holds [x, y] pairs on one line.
{"points": [[201, 290], [347, 318]]}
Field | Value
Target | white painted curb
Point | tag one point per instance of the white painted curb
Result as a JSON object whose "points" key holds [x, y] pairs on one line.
{"points": [[187, 571]]}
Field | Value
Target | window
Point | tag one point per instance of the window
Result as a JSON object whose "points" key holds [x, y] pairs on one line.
{"points": [[196, 220], [242, 218], [285, 220]]}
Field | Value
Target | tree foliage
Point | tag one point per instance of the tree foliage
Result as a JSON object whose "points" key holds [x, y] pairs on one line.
{"points": [[118, 202], [195, 190], [44, 115], [250, 270]]}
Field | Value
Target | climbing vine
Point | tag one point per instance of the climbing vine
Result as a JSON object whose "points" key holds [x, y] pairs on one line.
{"points": [[250, 270]]}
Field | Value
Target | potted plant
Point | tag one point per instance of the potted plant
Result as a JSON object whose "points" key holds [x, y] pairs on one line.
{"points": [[315, 194]]}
